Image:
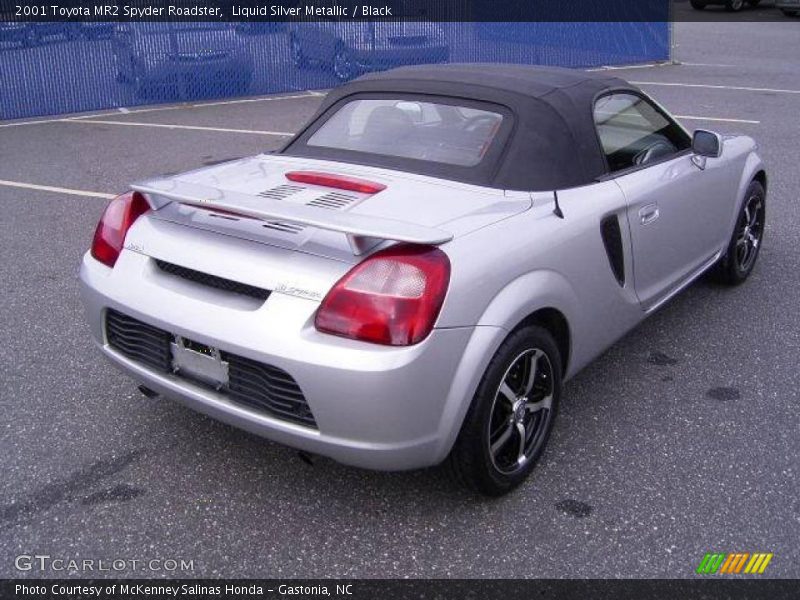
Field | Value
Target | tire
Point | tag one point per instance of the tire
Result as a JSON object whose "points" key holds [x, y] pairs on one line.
{"points": [[343, 67], [698, 4], [748, 234], [142, 88], [488, 456], [734, 5], [296, 52]]}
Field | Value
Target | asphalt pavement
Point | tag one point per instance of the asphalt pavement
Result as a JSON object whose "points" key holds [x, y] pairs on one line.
{"points": [[682, 439]]}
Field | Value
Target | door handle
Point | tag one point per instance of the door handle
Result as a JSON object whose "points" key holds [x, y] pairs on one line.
{"points": [[648, 213]]}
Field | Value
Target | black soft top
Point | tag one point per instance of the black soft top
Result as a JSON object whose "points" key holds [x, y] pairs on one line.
{"points": [[554, 143]]}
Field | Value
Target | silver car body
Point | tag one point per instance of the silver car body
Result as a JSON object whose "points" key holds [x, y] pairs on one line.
{"points": [[402, 407]]}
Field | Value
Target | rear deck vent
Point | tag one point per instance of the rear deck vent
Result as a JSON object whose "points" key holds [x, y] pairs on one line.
{"points": [[333, 200], [281, 192], [219, 283], [283, 227]]}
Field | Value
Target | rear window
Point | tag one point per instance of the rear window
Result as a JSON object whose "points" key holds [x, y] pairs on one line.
{"points": [[410, 129]]}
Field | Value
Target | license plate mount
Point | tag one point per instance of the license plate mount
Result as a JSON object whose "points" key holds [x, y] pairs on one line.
{"points": [[198, 361]]}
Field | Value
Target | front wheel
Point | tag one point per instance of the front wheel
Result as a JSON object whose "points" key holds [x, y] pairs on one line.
{"points": [[739, 259], [512, 414]]}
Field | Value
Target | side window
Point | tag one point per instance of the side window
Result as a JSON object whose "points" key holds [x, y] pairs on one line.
{"points": [[633, 132]]}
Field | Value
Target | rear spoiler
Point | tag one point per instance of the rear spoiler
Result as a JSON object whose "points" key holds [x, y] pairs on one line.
{"points": [[363, 231]]}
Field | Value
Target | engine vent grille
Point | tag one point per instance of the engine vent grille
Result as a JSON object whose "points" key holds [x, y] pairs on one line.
{"points": [[330, 200], [219, 283], [333, 200], [261, 386], [281, 192]]}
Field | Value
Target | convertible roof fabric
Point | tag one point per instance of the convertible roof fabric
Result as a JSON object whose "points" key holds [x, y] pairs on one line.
{"points": [[554, 144]]}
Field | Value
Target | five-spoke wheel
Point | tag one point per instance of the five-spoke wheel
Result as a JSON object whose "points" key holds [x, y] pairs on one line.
{"points": [[512, 413], [521, 410], [739, 259], [750, 227]]}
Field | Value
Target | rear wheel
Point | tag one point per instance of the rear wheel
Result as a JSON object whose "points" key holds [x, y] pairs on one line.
{"points": [[512, 414], [745, 244], [343, 65], [296, 52], [141, 85]]}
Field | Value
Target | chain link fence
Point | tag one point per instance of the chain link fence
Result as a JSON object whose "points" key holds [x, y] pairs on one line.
{"points": [[58, 68]]}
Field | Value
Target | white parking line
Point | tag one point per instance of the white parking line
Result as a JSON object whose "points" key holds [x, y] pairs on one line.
{"points": [[215, 103], [717, 87], [38, 122], [58, 190], [721, 120], [129, 111], [170, 126], [626, 67], [691, 64]]}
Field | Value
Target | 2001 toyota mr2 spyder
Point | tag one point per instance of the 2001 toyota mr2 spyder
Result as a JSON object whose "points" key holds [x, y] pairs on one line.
{"points": [[416, 273]]}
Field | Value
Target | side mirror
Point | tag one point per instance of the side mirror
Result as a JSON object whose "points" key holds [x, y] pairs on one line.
{"points": [[706, 143]]}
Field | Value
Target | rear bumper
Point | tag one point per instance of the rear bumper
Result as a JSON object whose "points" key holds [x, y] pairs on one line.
{"points": [[375, 407], [220, 69]]}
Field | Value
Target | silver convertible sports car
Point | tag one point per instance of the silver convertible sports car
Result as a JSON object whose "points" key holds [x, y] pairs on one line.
{"points": [[415, 274]]}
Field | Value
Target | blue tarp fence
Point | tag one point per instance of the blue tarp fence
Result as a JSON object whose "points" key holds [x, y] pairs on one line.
{"points": [[58, 68]]}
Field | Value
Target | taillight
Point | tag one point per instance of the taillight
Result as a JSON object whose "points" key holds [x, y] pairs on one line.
{"points": [[120, 214], [392, 298], [339, 182]]}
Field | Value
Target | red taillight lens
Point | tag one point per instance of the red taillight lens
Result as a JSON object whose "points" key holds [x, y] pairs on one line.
{"points": [[120, 214], [392, 298], [339, 182]]}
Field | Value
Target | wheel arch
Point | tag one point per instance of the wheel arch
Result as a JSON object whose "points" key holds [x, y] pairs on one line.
{"points": [[543, 298], [556, 323], [761, 177], [752, 170]]}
